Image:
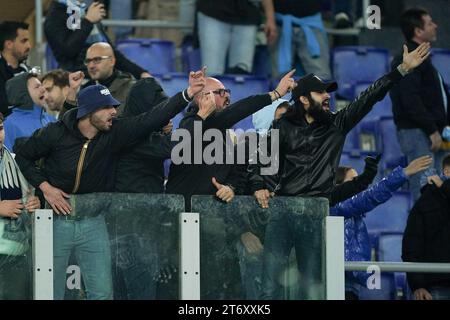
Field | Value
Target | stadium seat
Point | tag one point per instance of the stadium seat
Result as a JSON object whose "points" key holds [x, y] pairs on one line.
{"points": [[261, 62], [172, 83], [191, 58], [156, 56], [441, 61], [352, 141], [51, 62], [354, 160], [354, 64], [391, 216], [389, 145], [242, 87]]}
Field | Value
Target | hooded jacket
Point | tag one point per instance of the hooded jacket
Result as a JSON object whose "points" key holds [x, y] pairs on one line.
{"points": [[309, 153], [75, 164], [357, 242], [26, 116], [427, 235]]}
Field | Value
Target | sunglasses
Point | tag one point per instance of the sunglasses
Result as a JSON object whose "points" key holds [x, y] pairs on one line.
{"points": [[95, 60], [221, 92]]}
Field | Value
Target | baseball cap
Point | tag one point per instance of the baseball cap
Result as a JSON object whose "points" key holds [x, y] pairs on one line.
{"points": [[94, 97], [309, 83]]}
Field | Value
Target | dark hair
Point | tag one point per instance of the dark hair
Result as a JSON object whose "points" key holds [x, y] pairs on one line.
{"points": [[283, 105], [297, 110], [341, 172], [59, 77], [410, 20], [446, 161], [8, 31], [1, 117], [32, 75]]}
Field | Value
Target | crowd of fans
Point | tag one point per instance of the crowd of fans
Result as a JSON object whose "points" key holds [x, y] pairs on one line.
{"points": [[101, 123]]}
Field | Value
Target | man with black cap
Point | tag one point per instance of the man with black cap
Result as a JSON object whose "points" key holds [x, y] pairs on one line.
{"points": [[77, 152], [311, 139]]}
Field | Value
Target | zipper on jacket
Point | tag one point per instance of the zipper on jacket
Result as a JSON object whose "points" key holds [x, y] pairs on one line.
{"points": [[80, 166]]}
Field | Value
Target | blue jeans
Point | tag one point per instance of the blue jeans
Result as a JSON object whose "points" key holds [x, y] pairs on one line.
{"points": [[218, 38], [414, 144], [283, 232], [320, 65], [88, 238], [251, 266], [135, 263], [121, 10]]}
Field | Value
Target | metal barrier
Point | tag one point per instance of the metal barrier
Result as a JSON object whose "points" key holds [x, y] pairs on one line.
{"points": [[421, 267]]}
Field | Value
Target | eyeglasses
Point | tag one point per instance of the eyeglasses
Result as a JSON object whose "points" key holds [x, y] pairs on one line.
{"points": [[95, 60], [221, 92]]}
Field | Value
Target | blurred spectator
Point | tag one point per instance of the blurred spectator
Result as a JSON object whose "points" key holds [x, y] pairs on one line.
{"points": [[27, 95], [357, 242], [427, 235], [69, 46], [61, 88], [17, 200], [420, 100], [227, 32], [121, 10], [101, 66], [14, 49], [302, 25]]}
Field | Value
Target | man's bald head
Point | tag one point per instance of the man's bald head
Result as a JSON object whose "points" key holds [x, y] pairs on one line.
{"points": [[100, 60], [213, 84]]}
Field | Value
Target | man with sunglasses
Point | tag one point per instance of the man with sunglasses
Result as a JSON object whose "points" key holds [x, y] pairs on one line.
{"points": [[101, 63], [70, 38]]}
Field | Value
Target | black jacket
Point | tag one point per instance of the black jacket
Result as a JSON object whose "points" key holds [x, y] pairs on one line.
{"points": [[195, 179], [6, 73], [69, 47], [417, 100], [309, 153], [61, 145], [140, 167], [427, 235]]}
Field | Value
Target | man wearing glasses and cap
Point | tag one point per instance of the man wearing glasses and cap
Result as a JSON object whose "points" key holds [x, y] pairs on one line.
{"points": [[311, 139], [77, 152]]}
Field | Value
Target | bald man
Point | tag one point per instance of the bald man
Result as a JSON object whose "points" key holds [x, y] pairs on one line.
{"points": [[213, 109]]}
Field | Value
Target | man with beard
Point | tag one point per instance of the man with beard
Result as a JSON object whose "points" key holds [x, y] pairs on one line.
{"points": [[311, 139], [14, 49], [78, 151]]}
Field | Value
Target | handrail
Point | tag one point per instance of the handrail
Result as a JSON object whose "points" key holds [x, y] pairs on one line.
{"points": [[422, 267]]}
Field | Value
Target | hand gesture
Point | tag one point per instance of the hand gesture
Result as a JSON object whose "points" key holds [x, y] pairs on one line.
{"points": [[33, 204], [206, 105], [262, 196], [422, 294], [436, 141], [75, 79], [418, 165], [415, 58], [96, 12], [167, 129], [197, 81], [56, 198], [436, 180], [224, 193], [251, 243], [286, 84], [11, 208]]}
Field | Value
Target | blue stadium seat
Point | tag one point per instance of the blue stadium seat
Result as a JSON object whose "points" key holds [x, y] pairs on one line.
{"points": [[389, 145], [242, 87], [52, 64], [191, 58], [354, 64], [391, 216], [354, 160], [156, 56], [386, 291], [261, 62], [172, 83], [441, 61], [352, 141]]}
